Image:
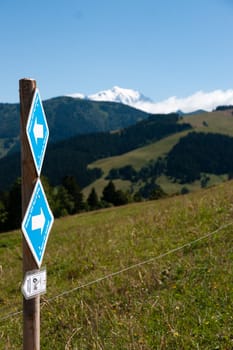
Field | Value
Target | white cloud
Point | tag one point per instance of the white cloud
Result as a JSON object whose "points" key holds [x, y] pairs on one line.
{"points": [[200, 100]]}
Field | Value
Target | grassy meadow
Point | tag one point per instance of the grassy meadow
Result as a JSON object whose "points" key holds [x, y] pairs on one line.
{"points": [[152, 275], [217, 122]]}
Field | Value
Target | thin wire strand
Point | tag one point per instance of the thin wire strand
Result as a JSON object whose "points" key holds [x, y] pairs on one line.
{"points": [[138, 264], [11, 315], [113, 274]]}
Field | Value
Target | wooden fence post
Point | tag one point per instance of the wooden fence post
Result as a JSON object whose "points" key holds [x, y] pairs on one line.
{"points": [[31, 308]]}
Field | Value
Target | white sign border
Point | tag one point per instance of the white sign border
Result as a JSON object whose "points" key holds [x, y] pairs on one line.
{"points": [[39, 262], [38, 169]]}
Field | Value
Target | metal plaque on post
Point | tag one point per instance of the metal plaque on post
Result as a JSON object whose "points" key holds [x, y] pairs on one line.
{"points": [[34, 283]]}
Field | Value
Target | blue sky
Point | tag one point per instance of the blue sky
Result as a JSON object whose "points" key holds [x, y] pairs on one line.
{"points": [[161, 48]]}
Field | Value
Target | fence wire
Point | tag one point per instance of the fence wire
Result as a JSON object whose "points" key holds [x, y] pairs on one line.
{"points": [[113, 274]]}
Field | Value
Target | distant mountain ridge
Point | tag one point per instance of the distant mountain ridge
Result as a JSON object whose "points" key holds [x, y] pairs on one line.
{"points": [[68, 117]]}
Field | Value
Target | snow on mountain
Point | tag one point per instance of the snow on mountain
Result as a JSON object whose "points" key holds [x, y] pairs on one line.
{"points": [[117, 94], [199, 100]]}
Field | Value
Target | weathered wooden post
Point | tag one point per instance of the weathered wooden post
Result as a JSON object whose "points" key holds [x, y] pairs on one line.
{"points": [[36, 214], [31, 308]]}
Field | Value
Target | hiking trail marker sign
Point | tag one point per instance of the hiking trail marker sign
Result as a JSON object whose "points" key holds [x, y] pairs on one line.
{"points": [[37, 131], [37, 217], [37, 223]]}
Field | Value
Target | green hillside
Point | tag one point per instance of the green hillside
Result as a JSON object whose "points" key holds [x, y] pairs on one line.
{"points": [[152, 275], [220, 122], [216, 122], [137, 158]]}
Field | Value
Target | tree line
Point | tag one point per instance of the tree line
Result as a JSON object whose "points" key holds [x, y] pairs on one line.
{"points": [[199, 153], [194, 157], [68, 199]]}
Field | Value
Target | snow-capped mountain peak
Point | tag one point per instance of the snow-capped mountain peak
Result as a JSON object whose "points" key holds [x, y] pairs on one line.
{"points": [[116, 94]]}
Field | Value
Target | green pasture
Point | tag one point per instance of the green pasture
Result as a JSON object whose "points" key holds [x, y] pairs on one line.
{"points": [[152, 275]]}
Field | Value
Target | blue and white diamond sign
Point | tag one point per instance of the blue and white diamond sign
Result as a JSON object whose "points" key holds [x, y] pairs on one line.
{"points": [[37, 131], [37, 223]]}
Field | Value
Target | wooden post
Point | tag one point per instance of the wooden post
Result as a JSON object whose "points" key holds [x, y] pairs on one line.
{"points": [[31, 308]]}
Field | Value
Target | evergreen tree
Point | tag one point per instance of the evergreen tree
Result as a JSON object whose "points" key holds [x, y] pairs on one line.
{"points": [[93, 200], [63, 202], [137, 197], [120, 198], [113, 196], [3, 216], [109, 193], [13, 206], [70, 184], [49, 191], [156, 193], [151, 190]]}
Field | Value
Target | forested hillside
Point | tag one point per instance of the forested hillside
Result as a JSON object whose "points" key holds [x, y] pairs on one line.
{"points": [[71, 156], [66, 167], [199, 153]]}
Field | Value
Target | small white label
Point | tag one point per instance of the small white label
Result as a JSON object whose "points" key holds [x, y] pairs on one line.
{"points": [[34, 283]]}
